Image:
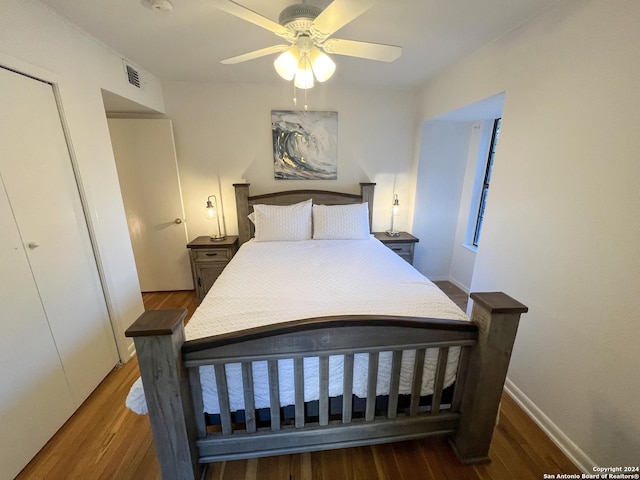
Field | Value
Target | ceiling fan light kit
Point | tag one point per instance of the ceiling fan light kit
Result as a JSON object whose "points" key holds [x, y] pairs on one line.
{"points": [[304, 61], [308, 29]]}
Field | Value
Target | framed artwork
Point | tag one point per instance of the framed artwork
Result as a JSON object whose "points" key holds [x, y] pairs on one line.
{"points": [[305, 145]]}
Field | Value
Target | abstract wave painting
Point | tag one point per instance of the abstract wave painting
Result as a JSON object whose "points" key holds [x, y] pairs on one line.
{"points": [[305, 145]]}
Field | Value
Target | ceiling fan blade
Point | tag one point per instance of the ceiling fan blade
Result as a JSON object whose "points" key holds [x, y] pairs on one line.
{"points": [[244, 13], [255, 54], [371, 51], [338, 14]]}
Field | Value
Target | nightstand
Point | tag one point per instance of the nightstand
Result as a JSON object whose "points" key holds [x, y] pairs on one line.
{"points": [[208, 259], [403, 244]]}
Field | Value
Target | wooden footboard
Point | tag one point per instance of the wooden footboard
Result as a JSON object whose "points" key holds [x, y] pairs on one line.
{"points": [[170, 370]]}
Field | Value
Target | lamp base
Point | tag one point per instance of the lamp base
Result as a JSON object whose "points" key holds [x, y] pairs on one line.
{"points": [[392, 233], [217, 239]]}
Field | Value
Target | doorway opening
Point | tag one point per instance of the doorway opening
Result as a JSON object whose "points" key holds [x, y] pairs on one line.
{"points": [[451, 170]]}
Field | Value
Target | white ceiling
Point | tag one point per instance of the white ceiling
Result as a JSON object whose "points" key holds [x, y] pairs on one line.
{"points": [[188, 43]]}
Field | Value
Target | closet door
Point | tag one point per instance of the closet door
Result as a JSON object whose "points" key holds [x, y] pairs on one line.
{"points": [[35, 399], [40, 183]]}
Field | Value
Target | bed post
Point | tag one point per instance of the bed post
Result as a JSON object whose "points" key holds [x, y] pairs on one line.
{"points": [[242, 210], [158, 336], [366, 191], [497, 316]]}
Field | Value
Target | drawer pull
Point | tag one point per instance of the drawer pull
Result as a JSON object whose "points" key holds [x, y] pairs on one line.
{"points": [[397, 249], [211, 254]]}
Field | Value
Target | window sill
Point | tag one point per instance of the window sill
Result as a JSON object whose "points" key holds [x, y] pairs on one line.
{"points": [[472, 248]]}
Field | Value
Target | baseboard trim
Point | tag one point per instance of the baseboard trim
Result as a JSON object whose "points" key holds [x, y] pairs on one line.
{"points": [[557, 436]]}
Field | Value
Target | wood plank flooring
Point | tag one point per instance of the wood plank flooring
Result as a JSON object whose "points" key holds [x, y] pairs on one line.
{"points": [[455, 293], [104, 440]]}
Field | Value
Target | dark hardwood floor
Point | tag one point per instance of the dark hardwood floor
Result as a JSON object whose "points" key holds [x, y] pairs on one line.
{"points": [[456, 294], [104, 440]]}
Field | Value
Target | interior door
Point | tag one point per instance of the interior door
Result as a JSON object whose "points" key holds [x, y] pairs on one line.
{"points": [[148, 173]]}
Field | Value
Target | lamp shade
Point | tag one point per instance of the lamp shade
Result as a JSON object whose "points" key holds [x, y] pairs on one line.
{"points": [[304, 77], [287, 63], [322, 65]]}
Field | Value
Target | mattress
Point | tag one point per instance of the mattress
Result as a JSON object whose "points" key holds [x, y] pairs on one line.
{"points": [[273, 282]]}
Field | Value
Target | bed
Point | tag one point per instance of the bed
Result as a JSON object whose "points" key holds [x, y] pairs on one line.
{"points": [[268, 365]]}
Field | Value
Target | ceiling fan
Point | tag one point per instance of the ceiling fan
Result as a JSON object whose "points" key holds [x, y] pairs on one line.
{"points": [[308, 30]]}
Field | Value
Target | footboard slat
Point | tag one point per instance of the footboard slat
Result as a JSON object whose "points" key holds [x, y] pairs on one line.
{"points": [[394, 384], [249, 402], [416, 386], [463, 363], [347, 388], [443, 355], [298, 374], [196, 397], [223, 399], [274, 394], [372, 382], [324, 390]]}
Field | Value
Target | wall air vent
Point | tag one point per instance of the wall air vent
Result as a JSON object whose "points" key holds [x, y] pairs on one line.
{"points": [[133, 75]]}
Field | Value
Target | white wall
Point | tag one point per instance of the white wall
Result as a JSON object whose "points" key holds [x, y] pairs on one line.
{"points": [[441, 165], [561, 232], [35, 41], [223, 136], [463, 257]]}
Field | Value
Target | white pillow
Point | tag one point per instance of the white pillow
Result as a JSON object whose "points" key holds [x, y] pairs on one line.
{"points": [[279, 223], [341, 222]]}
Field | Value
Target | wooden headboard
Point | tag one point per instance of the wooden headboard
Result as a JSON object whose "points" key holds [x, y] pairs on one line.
{"points": [[245, 202]]}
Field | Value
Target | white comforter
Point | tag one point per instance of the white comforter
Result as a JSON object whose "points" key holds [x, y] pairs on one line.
{"points": [[272, 282]]}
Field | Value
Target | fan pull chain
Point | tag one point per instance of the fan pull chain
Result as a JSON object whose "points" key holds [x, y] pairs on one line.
{"points": [[295, 99]]}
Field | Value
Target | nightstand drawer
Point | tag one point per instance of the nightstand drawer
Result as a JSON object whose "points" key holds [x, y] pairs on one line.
{"points": [[212, 255], [402, 248], [402, 244]]}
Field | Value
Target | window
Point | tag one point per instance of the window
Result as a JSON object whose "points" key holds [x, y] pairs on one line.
{"points": [[486, 181]]}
